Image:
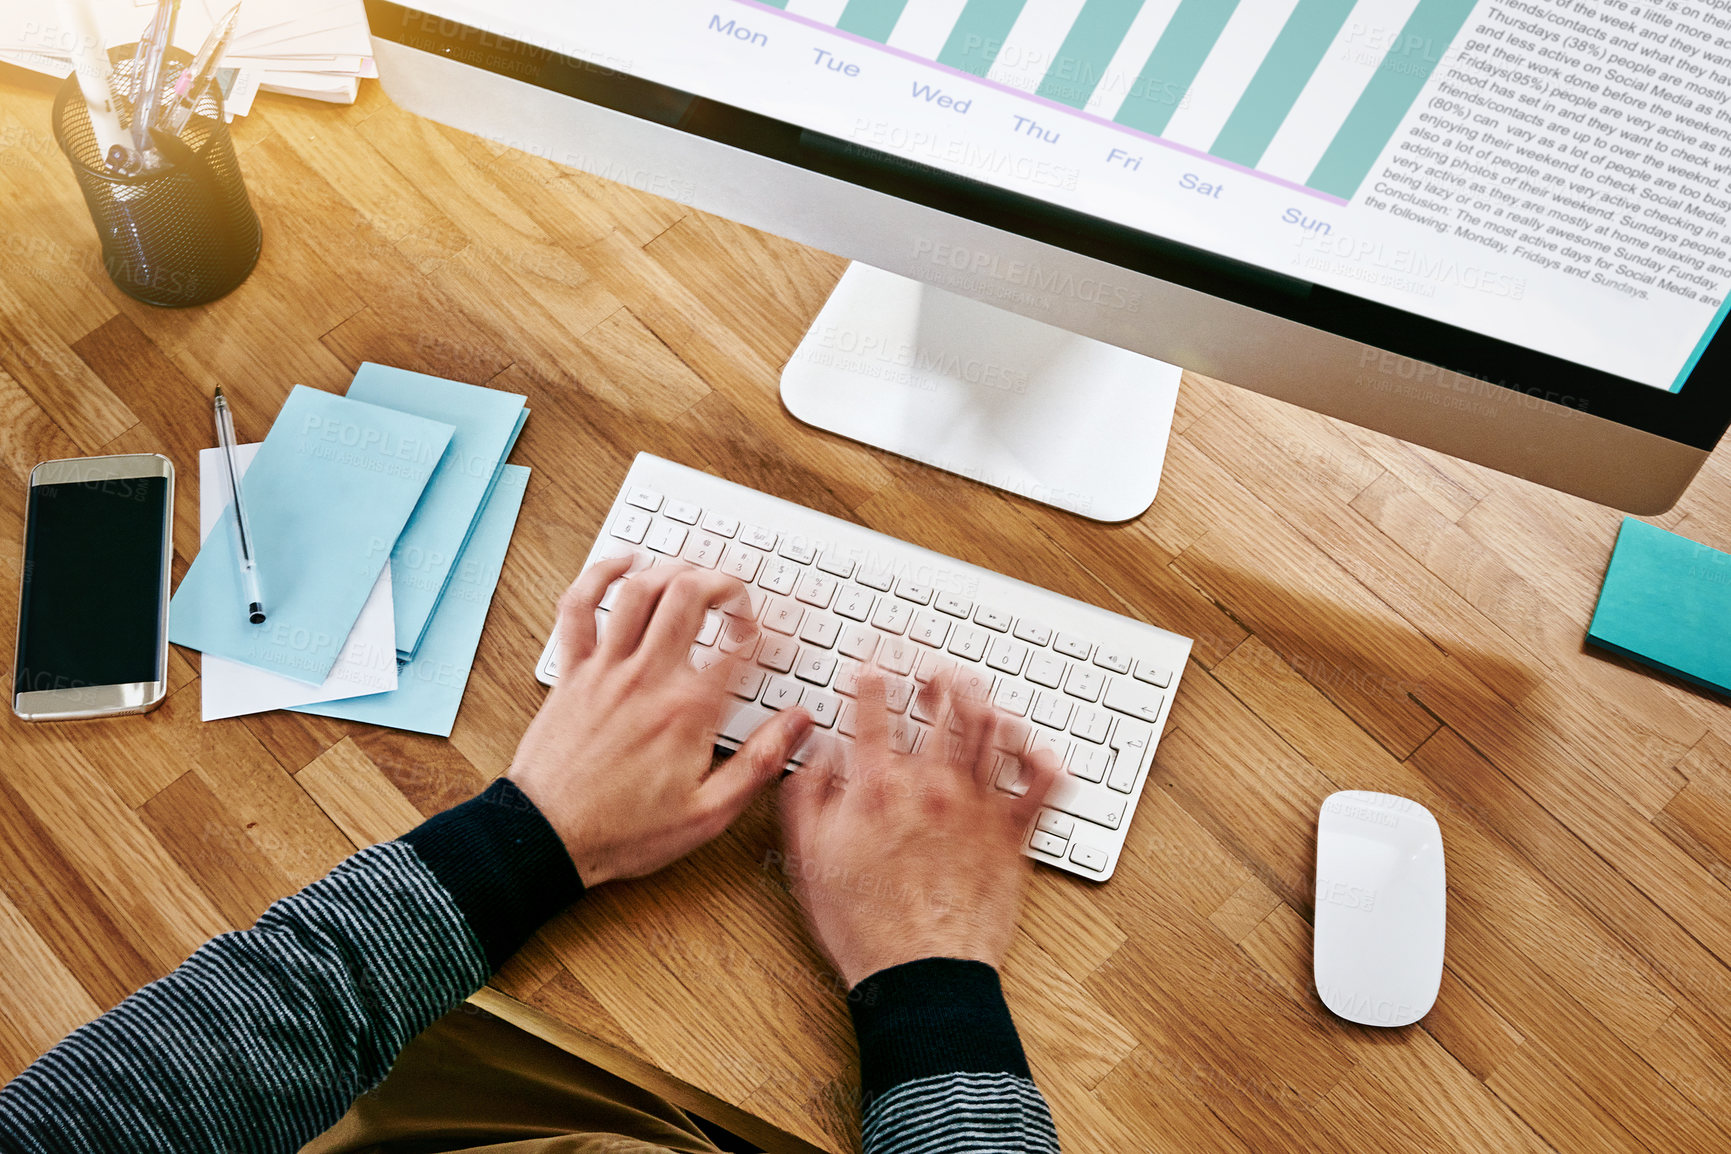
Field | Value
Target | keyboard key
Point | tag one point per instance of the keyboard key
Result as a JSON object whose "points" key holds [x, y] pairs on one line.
{"points": [[644, 498], [1056, 824], [1091, 724], [1033, 632], [913, 591], [925, 706], [879, 579], [746, 682], [1133, 736], [820, 629], [1125, 766], [704, 549], [817, 589], [892, 615], [1090, 762], [839, 564], [799, 549], [683, 511], [738, 639], [847, 678], [929, 628], [1046, 739], [974, 684], [666, 537], [740, 720], [849, 723], [781, 693], [1088, 857], [904, 735], [969, 643], [777, 653], [897, 695], [1045, 669], [1007, 656], [1072, 646], [1153, 673], [1116, 660], [1084, 682], [759, 538], [710, 629], [953, 605], [1014, 697], [1087, 801], [720, 524], [931, 664], [822, 706], [704, 658], [741, 561], [1012, 735], [854, 603], [898, 655], [1051, 709], [631, 525], [1134, 698], [1047, 843], [780, 576], [783, 615], [756, 600], [815, 665], [1008, 775], [858, 642], [994, 619]]}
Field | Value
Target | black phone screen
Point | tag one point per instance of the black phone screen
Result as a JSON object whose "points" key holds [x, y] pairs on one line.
{"points": [[93, 580]]}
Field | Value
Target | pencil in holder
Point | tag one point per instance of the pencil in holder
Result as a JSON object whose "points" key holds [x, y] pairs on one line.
{"points": [[182, 233]]}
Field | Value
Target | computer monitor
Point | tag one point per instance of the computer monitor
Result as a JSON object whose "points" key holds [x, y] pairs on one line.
{"points": [[1491, 227]]}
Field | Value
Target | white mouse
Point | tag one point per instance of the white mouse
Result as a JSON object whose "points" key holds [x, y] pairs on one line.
{"points": [[1381, 895]]}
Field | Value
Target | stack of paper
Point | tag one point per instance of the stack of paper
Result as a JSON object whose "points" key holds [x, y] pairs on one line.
{"points": [[380, 530], [313, 48]]}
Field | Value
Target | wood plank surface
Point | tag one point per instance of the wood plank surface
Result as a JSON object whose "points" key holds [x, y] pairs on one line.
{"points": [[1367, 615]]}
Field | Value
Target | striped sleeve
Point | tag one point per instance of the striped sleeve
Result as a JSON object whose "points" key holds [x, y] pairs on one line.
{"points": [[262, 1039], [941, 1065]]}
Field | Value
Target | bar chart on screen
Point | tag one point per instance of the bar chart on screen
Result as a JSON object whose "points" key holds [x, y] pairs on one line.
{"points": [[1305, 93]]}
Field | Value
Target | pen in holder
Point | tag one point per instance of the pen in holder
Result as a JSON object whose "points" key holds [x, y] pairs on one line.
{"points": [[182, 232]]}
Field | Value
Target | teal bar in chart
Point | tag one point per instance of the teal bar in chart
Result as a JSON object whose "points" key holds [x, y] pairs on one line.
{"points": [[1389, 96], [873, 19], [978, 35], [1284, 72], [1174, 63], [1093, 41]]}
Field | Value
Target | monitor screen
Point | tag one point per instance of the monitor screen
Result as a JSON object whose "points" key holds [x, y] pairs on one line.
{"points": [[1524, 192]]}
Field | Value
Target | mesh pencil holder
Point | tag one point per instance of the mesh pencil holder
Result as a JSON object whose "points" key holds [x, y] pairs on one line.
{"points": [[182, 234]]}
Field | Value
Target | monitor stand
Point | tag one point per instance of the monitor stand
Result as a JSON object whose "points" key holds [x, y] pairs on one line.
{"points": [[987, 394]]}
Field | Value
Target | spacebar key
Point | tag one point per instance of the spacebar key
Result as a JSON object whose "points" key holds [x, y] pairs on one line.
{"points": [[742, 719], [1088, 802]]}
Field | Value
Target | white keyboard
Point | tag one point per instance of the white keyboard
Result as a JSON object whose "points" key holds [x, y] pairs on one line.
{"points": [[829, 596]]}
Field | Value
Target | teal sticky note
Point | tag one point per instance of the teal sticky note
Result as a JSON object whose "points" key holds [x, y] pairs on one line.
{"points": [[1666, 601], [430, 688], [327, 496], [487, 422]]}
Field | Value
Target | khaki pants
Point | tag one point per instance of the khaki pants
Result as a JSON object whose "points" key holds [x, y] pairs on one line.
{"points": [[477, 1084]]}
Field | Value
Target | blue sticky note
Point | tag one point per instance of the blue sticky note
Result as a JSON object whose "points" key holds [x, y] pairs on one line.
{"points": [[430, 688], [327, 496], [487, 423], [1666, 601]]}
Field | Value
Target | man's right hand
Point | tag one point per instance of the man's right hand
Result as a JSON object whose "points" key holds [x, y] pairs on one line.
{"points": [[912, 856]]}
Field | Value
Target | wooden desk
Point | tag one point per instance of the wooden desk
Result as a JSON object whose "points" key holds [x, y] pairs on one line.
{"points": [[1367, 614]]}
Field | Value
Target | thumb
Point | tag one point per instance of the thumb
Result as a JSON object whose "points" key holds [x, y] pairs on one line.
{"points": [[758, 761]]}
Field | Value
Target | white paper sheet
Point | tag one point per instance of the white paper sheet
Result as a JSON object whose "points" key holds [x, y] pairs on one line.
{"points": [[367, 663]]}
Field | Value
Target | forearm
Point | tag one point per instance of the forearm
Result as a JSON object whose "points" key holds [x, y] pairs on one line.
{"points": [[263, 1038], [941, 1065]]}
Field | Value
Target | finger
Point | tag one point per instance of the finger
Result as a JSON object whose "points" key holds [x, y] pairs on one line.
{"points": [[759, 761], [578, 605], [633, 608], [871, 722], [805, 796], [673, 628], [977, 723], [1040, 772]]}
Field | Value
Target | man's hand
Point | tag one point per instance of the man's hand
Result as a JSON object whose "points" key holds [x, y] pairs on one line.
{"points": [[619, 757], [912, 857]]}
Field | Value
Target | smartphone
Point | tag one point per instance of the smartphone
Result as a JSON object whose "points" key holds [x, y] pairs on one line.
{"points": [[93, 609]]}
